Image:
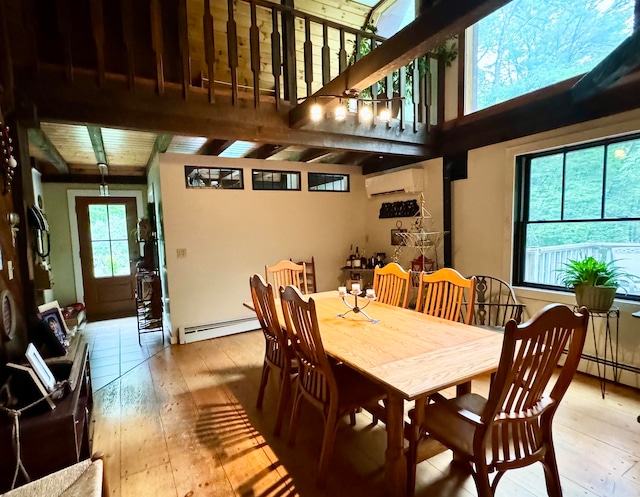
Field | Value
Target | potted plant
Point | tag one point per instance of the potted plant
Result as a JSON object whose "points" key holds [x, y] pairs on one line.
{"points": [[594, 282]]}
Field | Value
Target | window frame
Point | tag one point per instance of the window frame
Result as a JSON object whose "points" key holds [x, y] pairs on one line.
{"points": [[521, 206], [346, 175], [297, 173], [219, 168]]}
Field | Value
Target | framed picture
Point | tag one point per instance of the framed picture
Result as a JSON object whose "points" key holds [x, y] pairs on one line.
{"points": [[396, 238], [55, 322], [40, 367]]}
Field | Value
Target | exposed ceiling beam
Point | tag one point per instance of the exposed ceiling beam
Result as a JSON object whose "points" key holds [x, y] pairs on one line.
{"points": [[309, 154], [377, 163], [40, 140], [160, 146], [95, 135], [215, 147], [326, 158], [59, 102], [351, 158], [623, 60], [434, 26], [264, 151], [93, 178]]}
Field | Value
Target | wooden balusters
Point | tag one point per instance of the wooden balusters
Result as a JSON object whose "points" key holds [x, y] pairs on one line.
{"points": [[97, 26], [440, 96], [389, 95], [209, 48], [157, 43], [289, 51], [308, 56], [275, 56], [356, 48], [129, 40], [183, 37], [326, 56], [232, 51], [402, 90], [64, 27], [342, 54], [254, 43], [415, 91]]}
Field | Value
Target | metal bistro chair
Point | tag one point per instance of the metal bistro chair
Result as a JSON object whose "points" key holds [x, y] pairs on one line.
{"points": [[391, 284], [287, 273], [496, 303], [334, 389], [278, 353], [442, 294], [512, 427]]}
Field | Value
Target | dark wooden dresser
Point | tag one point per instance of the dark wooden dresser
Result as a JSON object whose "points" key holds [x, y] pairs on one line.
{"points": [[53, 439]]}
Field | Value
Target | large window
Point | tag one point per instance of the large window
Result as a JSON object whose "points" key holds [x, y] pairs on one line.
{"points": [[575, 202], [530, 44]]}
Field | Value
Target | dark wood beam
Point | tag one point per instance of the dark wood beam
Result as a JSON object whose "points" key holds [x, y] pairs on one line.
{"points": [[432, 27], [326, 158], [95, 135], [84, 102], [93, 178], [622, 61], [544, 110], [264, 151], [40, 140], [215, 147], [160, 146], [351, 158]]}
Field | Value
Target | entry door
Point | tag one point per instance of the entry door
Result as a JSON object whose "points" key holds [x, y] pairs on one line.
{"points": [[108, 251]]}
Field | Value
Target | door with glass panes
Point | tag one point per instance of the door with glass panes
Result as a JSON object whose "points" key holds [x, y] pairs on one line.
{"points": [[108, 250]]}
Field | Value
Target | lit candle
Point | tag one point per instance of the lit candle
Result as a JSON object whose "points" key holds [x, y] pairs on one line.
{"points": [[342, 291], [371, 293], [355, 288]]}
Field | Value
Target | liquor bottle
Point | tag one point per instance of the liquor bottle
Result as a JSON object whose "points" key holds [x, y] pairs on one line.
{"points": [[363, 260], [356, 260], [350, 258]]}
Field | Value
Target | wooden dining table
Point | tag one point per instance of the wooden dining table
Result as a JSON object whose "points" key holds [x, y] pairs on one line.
{"points": [[411, 355]]}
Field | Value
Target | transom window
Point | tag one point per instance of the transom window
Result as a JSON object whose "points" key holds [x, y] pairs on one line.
{"points": [[275, 180], [222, 178], [328, 182], [575, 202], [530, 44]]}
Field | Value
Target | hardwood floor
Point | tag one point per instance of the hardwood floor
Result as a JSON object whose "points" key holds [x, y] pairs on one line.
{"points": [[184, 423]]}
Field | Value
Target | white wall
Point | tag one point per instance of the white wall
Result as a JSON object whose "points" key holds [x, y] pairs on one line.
{"points": [[231, 234], [483, 222]]}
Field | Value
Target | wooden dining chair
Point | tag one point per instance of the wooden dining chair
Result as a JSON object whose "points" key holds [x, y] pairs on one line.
{"points": [[512, 427], [391, 284], [278, 354], [442, 294], [495, 303], [334, 389], [310, 274], [287, 273]]}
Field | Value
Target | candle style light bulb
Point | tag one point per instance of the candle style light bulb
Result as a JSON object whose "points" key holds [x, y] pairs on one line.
{"points": [[316, 112], [385, 115], [365, 114], [340, 113]]}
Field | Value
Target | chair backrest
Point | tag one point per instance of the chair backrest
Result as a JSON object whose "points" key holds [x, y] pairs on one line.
{"points": [[287, 273], [310, 274], [442, 294], [519, 408], [315, 375], [277, 349], [496, 302], [391, 284]]}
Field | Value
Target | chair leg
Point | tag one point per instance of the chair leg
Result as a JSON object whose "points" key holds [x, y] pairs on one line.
{"points": [[263, 384], [481, 476], [551, 473], [328, 440], [285, 394], [295, 411]]}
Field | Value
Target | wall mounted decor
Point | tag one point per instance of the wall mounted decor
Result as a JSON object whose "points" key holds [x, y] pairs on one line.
{"points": [[8, 162], [407, 208]]}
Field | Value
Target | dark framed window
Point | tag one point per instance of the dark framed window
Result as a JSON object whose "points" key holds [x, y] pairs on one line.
{"points": [[578, 201], [221, 178], [328, 182], [263, 179]]}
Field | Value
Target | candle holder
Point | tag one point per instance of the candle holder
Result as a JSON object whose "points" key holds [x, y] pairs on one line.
{"points": [[357, 309]]}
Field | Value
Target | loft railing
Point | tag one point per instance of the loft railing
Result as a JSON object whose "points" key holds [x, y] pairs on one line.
{"points": [[252, 50]]}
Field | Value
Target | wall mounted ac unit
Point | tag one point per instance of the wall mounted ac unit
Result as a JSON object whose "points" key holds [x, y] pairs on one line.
{"points": [[405, 181]]}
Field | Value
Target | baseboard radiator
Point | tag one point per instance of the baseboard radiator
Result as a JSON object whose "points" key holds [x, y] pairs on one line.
{"points": [[189, 334]]}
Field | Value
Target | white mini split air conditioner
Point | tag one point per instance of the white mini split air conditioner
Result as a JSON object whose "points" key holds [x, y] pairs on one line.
{"points": [[405, 181]]}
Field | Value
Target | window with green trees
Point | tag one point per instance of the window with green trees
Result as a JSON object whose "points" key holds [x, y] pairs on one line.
{"points": [[579, 201], [530, 44]]}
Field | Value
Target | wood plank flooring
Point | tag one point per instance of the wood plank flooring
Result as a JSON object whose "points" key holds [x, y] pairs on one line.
{"points": [[184, 424]]}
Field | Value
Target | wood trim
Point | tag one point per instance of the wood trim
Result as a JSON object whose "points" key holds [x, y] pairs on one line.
{"points": [[93, 178], [40, 140], [95, 135], [215, 147], [264, 151], [160, 146], [462, 44]]}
